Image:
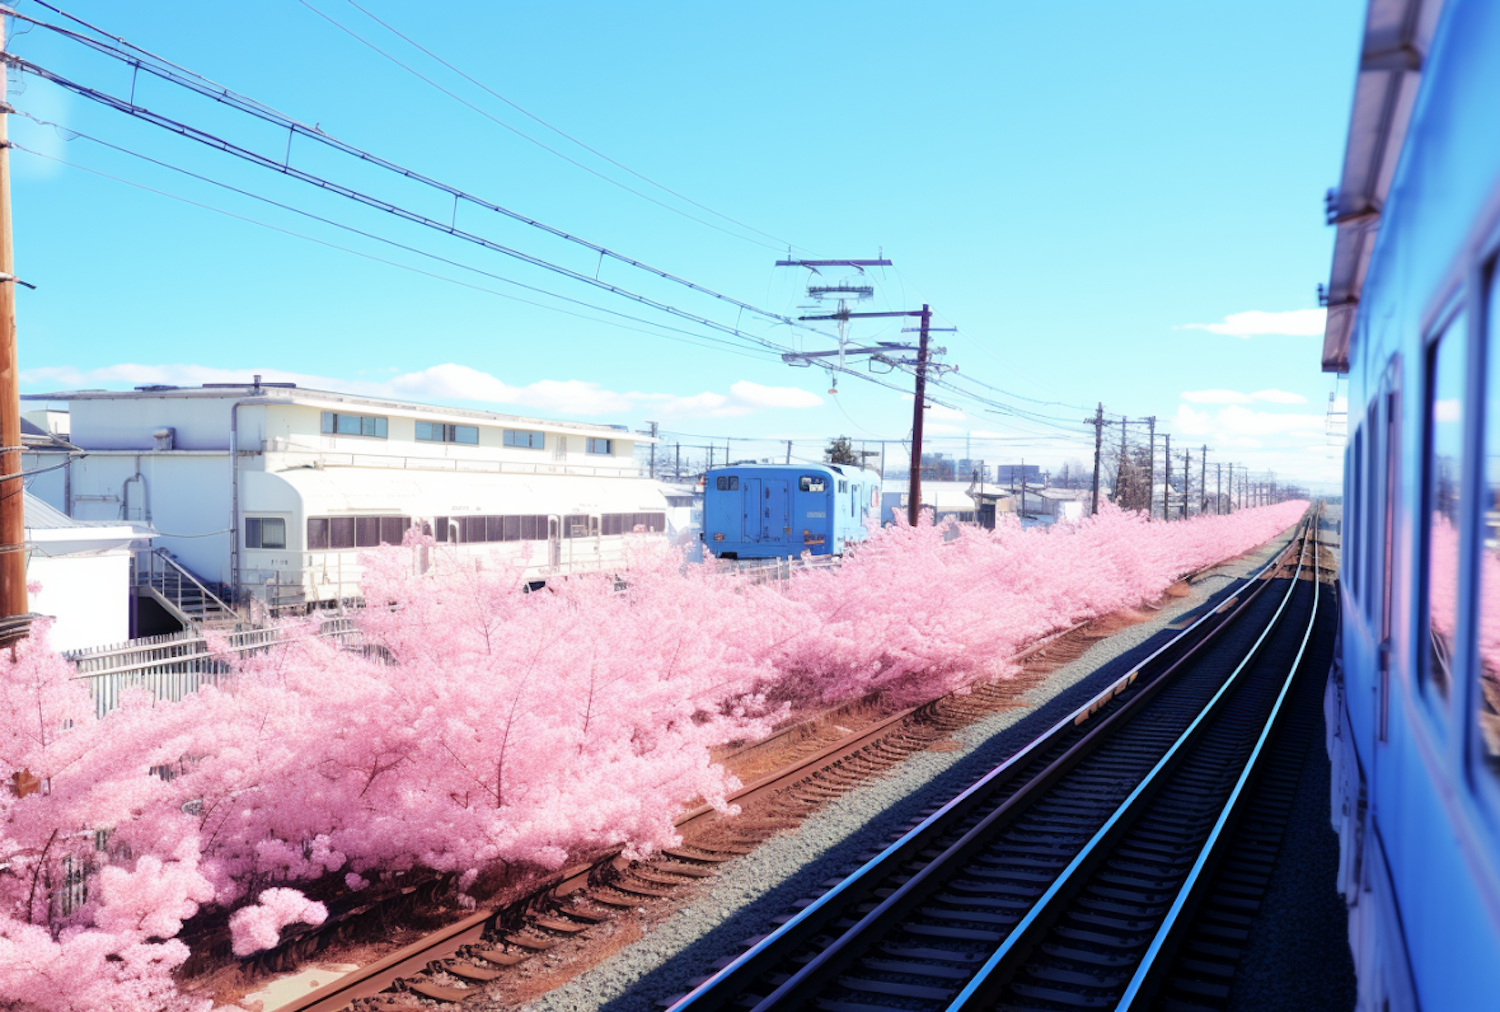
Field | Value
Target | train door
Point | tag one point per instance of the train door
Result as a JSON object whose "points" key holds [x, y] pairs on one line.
{"points": [[554, 542], [753, 509], [776, 512]]}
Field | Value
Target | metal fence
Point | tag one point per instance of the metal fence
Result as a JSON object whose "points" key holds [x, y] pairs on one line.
{"points": [[174, 664]]}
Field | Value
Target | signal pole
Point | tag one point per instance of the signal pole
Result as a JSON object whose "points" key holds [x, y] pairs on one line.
{"points": [[12, 516], [1098, 423]]}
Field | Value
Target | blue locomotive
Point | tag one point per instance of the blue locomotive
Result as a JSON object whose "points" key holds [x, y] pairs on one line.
{"points": [[1413, 702], [769, 511]]}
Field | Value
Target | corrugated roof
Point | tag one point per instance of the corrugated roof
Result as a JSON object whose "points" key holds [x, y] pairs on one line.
{"points": [[40, 516]]}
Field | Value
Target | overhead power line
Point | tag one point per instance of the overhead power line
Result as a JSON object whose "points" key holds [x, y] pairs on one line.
{"points": [[519, 133], [202, 86]]}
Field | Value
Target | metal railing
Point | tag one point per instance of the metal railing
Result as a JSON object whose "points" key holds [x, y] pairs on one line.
{"points": [[301, 452], [174, 664], [179, 588]]}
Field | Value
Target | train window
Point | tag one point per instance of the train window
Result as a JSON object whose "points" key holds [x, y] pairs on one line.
{"points": [[727, 483], [1487, 696], [510, 528], [341, 532], [811, 483], [1371, 507], [1352, 508], [576, 525], [265, 532], [366, 532], [317, 534], [393, 529], [843, 486], [1447, 368]]}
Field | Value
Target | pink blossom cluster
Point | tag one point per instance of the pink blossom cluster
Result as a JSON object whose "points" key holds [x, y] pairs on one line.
{"points": [[485, 729]]}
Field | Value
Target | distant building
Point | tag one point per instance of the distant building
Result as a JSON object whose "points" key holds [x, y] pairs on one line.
{"points": [[82, 572], [1005, 474], [268, 491], [969, 468], [939, 467]]}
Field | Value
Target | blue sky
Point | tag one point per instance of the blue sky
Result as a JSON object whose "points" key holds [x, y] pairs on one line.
{"points": [[1074, 186]]}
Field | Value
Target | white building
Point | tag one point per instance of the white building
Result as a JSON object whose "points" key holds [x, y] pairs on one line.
{"points": [[270, 491], [83, 573]]}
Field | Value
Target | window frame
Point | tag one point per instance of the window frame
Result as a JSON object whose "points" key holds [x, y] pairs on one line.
{"points": [[592, 446], [446, 433], [805, 484], [535, 440], [369, 426], [255, 531]]}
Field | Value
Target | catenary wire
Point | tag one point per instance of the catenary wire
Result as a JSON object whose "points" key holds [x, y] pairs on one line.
{"points": [[382, 260], [594, 151], [200, 85], [521, 133], [373, 236]]}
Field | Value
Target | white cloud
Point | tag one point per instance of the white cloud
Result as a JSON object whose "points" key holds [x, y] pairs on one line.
{"points": [[1215, 397], [759, 396], [1236, 397], [1293, 322], [453, 382], [1279, 397]]}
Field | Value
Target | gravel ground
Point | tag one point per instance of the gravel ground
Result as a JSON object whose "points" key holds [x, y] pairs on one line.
{"points": [[741, 901]]}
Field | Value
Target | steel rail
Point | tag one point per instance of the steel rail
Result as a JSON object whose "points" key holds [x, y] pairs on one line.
{"points": [[1148, 972], [742, 971], [982, 987]]}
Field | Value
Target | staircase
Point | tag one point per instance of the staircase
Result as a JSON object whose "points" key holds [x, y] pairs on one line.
{"points": [[160, 577]]}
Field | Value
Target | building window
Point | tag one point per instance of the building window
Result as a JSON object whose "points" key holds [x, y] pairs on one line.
{"points": [[812, 483], [1447, 365], [438, 432], [528, 440], [337, 423], [326, 533], [600, 445], [727, 483], [265, 532]]}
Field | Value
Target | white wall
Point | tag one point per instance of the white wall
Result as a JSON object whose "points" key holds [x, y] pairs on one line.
{"points": [[88, 594]]}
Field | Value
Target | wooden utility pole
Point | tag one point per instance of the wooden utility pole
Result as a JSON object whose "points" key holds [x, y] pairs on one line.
{"points": [[1120, 470], [1218, 487], [1151, 467], [1023, 490], [1098, 423], [1166, 487], [677, 468], [12, 511]]}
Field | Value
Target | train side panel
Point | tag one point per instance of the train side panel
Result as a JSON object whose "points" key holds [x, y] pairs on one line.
{"points": [[1416, 796]]}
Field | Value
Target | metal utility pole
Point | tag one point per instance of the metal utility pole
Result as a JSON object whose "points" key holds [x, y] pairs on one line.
{"points": [[1218, 487], [1203, 479], [882, 351], [1166, 488], [1120, 470], [1187, 479], [653, 449], [678, 465], [788, 453], [12, 517], [1151, 467], [1098, 423], [1023, 490]]}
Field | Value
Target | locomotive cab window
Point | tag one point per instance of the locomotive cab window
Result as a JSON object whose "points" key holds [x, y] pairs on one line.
{"points": [[1447, 367], [810, 483], [727, 483]]}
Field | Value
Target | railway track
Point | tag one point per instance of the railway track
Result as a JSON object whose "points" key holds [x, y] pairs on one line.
{"points": [[449, 964], [1096, 868]]}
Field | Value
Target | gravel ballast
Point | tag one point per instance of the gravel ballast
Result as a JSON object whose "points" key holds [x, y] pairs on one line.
{"points": [[741, 901]]}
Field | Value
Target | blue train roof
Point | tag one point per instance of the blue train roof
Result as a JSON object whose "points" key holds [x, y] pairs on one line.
{"points": [[843, 470]]}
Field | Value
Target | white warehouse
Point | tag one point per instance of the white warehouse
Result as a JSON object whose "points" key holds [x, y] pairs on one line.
{"points": [[269, 492]]}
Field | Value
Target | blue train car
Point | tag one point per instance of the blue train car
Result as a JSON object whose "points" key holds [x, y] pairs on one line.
{"points": [[768, 511], [1413, 702]]}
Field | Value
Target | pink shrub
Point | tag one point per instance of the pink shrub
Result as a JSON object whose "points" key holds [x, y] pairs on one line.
{"points": [[259, 925], [490, 728]]}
